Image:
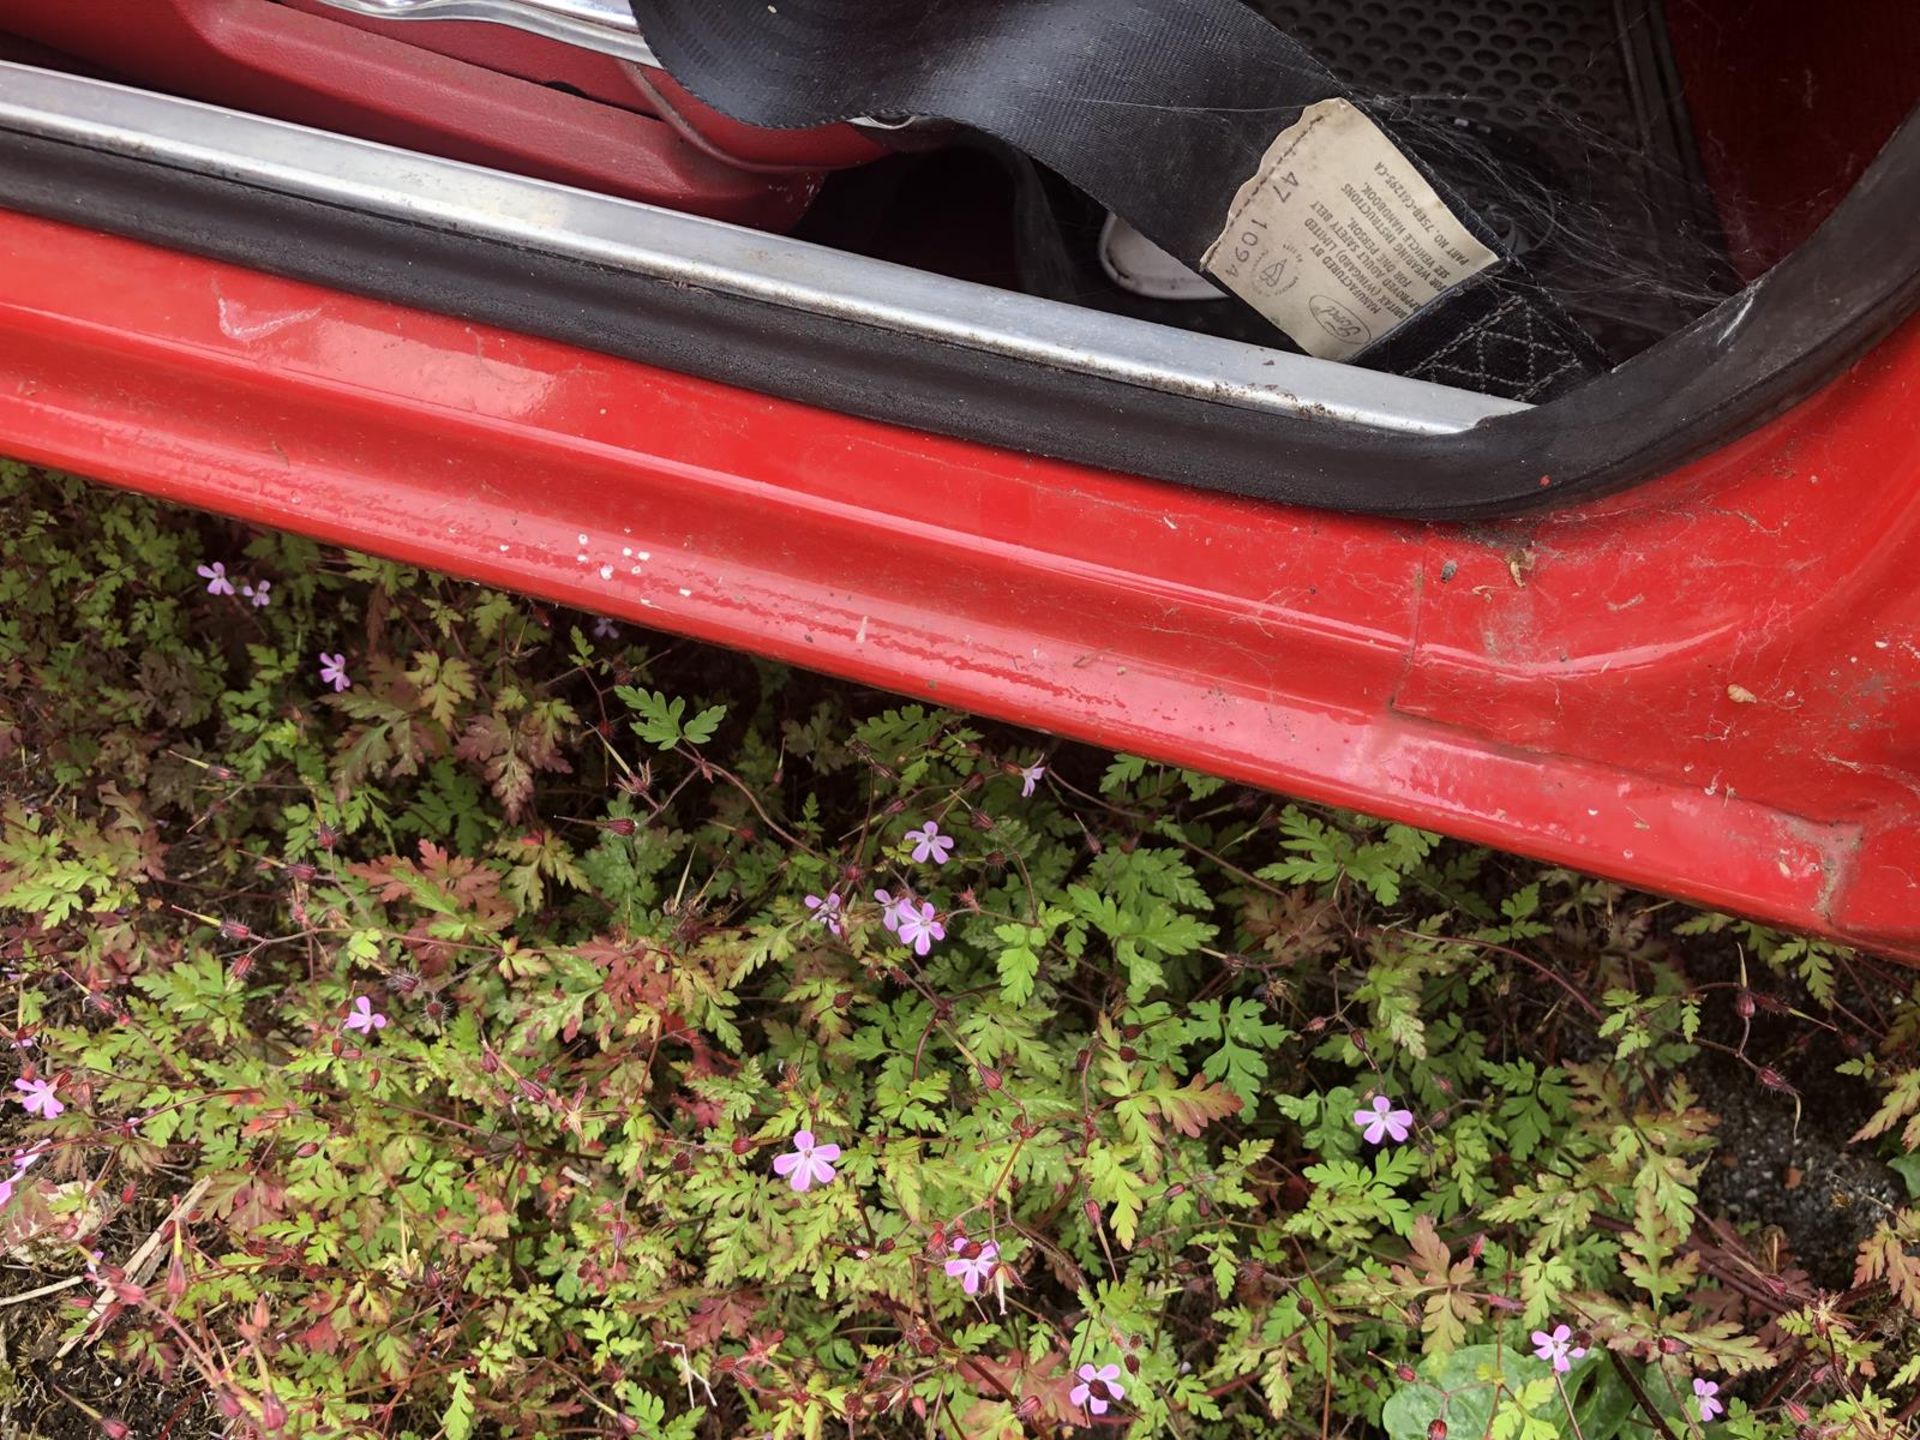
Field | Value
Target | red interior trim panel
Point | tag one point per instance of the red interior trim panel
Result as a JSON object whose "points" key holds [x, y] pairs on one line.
{"points": [[318, 69]]}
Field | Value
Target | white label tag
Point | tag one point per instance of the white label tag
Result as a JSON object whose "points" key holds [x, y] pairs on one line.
{"points": [[1337, 238]]}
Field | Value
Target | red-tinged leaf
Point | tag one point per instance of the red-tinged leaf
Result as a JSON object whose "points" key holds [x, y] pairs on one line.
{"points": [[704, 1113], [320, 1337], [1885, 1255], [726, 1316], [509, 755], [1449, 1306], [1429, 1251], [1048, 1382], [1196, 1105], [256, 1201]]}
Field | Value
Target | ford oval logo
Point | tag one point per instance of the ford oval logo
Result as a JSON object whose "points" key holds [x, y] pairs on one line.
{"points": [[1339, 322]]}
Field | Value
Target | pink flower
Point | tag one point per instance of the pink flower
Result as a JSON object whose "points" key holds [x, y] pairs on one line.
{"points": [[920, 928], [930, 844], [1558, 1348], [23, 1161], [826, 911], [216, 577], [1381, 1120], [258, 593], [1097, 1388], [1029, 778], [605, 629], [38, 1097], [897, 908], [974, 1264], [807, 1164], [1707, 1393], [365, 1018], [333, 671]]}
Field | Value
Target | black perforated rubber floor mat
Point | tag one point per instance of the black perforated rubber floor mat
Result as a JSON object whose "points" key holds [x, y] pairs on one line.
{"points": [[1578, 108]]}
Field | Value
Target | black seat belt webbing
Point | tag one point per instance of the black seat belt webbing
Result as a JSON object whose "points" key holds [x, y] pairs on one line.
{"points": [[1219, 137]]}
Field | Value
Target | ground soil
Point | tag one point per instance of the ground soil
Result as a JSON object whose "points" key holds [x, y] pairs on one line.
{"points": [[43, 1397], [1783, 1161], [1798, 1175]]}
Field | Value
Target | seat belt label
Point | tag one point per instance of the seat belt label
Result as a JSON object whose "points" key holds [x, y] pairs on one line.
{"points": [[1337, 238]]}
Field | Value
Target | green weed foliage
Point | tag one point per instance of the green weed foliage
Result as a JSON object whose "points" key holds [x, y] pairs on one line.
{"points": [[1094, 1089]]}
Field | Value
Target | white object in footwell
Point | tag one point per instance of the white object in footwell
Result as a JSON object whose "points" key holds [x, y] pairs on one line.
{"points": [[1139, 266]]}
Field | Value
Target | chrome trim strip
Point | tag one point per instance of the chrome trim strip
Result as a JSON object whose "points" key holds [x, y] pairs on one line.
{"points": [[690, 251], [603, 25]]}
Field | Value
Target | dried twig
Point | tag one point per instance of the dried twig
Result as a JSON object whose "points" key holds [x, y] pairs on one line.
{"points": [[53, 1289], [147, 1255]]}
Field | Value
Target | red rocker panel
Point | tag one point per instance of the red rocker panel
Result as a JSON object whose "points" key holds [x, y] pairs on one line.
{"points": [[1708, 686]]}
